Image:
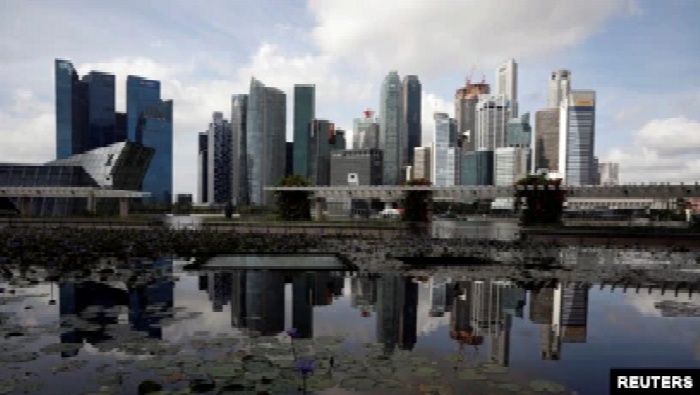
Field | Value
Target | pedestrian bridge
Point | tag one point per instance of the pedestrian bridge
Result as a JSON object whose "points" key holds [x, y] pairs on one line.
{"points": [[389, 192]]}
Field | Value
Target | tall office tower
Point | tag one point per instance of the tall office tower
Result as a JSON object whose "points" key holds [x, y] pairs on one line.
{"points": [[577, 138], [304, 112], [366, 133], [444, 165], [408, 320], [302, 304], [101, 109], [203, 168], [150, 122], [595, 173], [547, 140], [511, 165], [609, 173], [265, 301], [507, 83], [239, 122], [363, 293], [574, 312], [492, 116], [219, 157], [411, 91], [121, 126], [289, 164], [519, 132], [559, 87], [319, 154], [476, 168], [390, 137], [338, 140], [422, 163], [85, 111], [265, 140], [466, 99], [356, 167]]}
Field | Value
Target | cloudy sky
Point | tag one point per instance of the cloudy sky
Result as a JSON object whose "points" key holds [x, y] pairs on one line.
{"points": [[640, 55]]}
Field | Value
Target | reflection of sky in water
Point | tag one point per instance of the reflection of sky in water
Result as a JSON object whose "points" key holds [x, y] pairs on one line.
{"points": [[623, 330]]}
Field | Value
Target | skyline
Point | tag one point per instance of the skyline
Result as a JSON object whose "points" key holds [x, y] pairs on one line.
{"points": [[649, 101]]}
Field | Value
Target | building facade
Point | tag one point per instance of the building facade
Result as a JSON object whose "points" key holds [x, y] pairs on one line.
{"points": [[356, 167], [507, 84], [411, 91], [392, 142], [155, 130], [519, 131], [219, 160], [547, 140], [559, 87], [444, 154], [609, 173], [366, 132], [577, 138], [203, 168], [265, 141], [466, 100], [319, 156], [511, 165], [492, 115], [239, 179], [304, 113], [423, 161], [477, 168]]}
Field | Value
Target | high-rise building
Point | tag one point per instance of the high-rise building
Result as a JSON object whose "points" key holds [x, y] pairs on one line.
{"points": [[511, 165], [319, 154], [466, 100], [366, 133], [392, 142], [101, 109], [547, 140], [150, 122], [507, 84], [338, 140], [289, 164], [220, 160], [519, 131], [559, 87], [356, 167], [492, 116], [265, 140], [422, 163], [239, 122], [411, 92], [577, 138], [476, 168], [203, 168], [444, 155], [71, 110], [609, 173], [304, 113]]}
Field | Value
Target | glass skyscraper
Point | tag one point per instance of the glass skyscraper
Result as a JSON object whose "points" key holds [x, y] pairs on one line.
{"points": [[390, 136], [304, 112], [101, 112], [444, 166], [219, 158], [239, 122], [265, 140], [411, 96], [577, 138]]}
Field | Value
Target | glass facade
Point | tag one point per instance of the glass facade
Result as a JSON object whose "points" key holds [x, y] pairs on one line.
{"points": [[319, 152], [444, 164], [239, 122], [140, 94], [155, 130], [412, 115], [101, 112], [220, 163], [365, 133], [304, 112], [118, 166], [71, 111], [390, 136], [477, 168], [203, 168], [265, 141], [580, 144], [519, 132]]}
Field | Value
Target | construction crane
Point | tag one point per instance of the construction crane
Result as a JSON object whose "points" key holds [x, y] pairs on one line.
{"points": [[471, 72]]}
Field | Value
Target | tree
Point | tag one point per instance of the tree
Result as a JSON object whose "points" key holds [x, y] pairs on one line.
{"points": [[417, 204], [293, 205], [544, 199]]}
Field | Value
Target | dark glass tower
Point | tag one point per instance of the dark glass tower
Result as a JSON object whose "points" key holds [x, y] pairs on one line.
{"points": [[239, 121], [101, 112], [155, 130], [411, 96], [304, 112], [140, 94], [203, 178]]}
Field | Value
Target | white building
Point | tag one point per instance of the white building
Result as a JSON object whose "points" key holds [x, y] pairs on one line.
{"points": [[422, 163], [444, 155], [559, 87], [577, 138], [366, 132], [507, 83], [609, 173], [511, 164], [493, 113]]}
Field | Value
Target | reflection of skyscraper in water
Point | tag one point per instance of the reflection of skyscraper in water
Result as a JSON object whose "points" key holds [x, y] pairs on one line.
{"points": [[492, 303], [203, 282], [397, 309], [438, 299], [363, 293], [219, 289], [303, 304], [562, 312], [142, 300], [238, 299], [264, 301]]}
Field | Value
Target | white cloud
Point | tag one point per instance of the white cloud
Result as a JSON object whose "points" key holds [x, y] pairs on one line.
{"points": [[431, 37], [664, 150]]}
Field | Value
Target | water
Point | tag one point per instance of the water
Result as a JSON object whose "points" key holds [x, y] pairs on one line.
{"points": [[109, 320]]}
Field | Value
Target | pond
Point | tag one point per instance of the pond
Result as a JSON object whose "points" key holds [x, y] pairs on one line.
{"points": [[124, 324]]}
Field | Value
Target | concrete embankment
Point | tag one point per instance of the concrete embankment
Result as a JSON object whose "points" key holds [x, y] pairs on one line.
{"points": [[621, 237]]}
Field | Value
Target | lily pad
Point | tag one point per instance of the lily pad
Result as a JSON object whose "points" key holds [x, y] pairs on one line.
{"points": [[18, 357], [426, 371], [359, 384], [471, 375], [61, 347]]}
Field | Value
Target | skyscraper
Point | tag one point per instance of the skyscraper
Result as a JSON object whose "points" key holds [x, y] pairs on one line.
{"points": [[422, 165], [219, 158], [466, 99], [547, 140], [577, 138], [140, 94], [559, 87], [411, 102], [203, 168], [265, 140], [390, 137], [319, 153], [507, 84], [366, 133], [71, 107], [511, 165], [609, 173], [101, 109], [492, 115], [304, 112], [444, 155], [239, 114]]}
